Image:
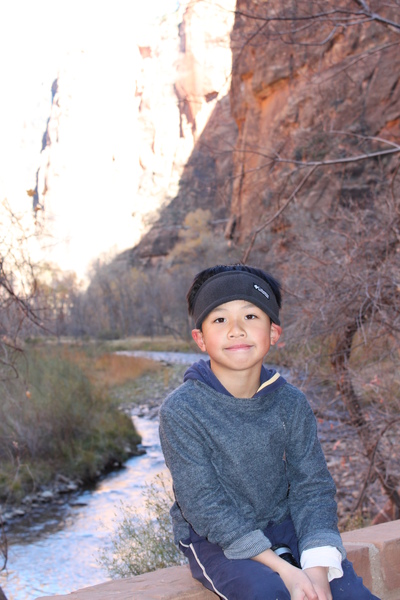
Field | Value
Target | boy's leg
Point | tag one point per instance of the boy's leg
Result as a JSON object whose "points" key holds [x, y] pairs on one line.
{"points": [[350, 586], [232, 579]]}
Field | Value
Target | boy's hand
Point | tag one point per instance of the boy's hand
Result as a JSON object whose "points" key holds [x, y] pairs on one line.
{"points": [[299, 584], [319, 578], [310, 584]]}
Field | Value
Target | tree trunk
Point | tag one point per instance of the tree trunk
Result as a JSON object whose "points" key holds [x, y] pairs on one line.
{"points": [[2, 595]]}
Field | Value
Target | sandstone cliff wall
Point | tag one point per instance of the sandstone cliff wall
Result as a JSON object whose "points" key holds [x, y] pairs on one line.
{"points": [[307, 89], [202, 88]]}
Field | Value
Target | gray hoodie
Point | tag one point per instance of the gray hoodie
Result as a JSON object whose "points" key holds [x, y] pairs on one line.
{"points": [[239, 464]]}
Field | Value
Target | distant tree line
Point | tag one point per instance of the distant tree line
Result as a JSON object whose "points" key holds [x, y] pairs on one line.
{"points": [[123, 300]]}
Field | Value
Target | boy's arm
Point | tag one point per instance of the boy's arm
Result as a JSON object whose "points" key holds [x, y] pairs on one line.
{"points": [[312, 490], [311, 584]]}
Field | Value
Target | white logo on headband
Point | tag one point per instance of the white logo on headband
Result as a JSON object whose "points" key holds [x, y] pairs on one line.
{"points": [[261, 290]]}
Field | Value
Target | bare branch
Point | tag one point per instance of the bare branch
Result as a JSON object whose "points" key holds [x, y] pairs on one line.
{"points": [[371, 463], [346, 17], [313, 165], [276, 215], [375, 17]]}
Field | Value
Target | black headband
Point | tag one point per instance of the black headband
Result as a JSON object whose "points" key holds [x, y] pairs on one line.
{"points": [[234, 285]]}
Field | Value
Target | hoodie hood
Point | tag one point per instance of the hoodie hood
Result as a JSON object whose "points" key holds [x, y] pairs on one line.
{"points": [[270, 380]]}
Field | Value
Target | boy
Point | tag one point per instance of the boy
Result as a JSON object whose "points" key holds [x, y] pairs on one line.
{"points": [[247, 468]]}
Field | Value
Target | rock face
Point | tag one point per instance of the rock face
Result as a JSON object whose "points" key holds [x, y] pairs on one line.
{"points": [[177, 134], [124, 121], [307, 89], [206, 183], [206, 129]]}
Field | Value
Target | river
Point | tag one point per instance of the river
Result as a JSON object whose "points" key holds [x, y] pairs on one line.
{"points": [[58, 555]]}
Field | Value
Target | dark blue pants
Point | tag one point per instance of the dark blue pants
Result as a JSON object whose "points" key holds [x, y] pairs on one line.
{"points": [[246, 579]]}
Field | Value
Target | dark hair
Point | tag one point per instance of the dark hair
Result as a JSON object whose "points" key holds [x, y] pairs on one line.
{"points": [[202, 277]]}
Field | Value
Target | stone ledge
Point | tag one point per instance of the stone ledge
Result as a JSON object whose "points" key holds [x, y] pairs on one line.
{"points": [[173, 583], [374, 551]]}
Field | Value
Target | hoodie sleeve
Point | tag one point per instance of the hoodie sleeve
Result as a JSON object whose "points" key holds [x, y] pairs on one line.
{"points": [[312, 490], [203, 501]]}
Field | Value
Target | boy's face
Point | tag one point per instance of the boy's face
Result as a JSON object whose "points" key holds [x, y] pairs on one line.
{"points": [[236, 335]]}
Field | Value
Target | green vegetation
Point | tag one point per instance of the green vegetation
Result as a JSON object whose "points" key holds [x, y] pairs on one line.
{"points": [[143, 542], [59, 417]]}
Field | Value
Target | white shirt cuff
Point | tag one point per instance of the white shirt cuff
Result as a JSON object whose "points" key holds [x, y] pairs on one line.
{"points": [[324, 556]]}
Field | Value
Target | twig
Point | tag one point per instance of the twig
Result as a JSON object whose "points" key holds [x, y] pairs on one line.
{"points": [[371, 463], [264, 225]]}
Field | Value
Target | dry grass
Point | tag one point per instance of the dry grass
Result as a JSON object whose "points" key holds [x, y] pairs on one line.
{"points": [[165, 343], [66, 425], [114, 369], [109, 370]]}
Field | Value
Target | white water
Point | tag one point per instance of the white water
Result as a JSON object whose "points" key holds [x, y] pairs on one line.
{"points": [[59, 556]]}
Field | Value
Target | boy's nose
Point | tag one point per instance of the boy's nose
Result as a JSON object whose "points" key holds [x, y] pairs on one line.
{"points": [[236, 330]]}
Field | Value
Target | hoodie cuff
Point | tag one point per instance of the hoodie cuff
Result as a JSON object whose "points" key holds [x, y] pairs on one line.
{"points": [[323, 556], [248, 545]]}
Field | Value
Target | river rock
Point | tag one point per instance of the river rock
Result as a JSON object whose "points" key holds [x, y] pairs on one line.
{"points": [[46, 496], [14, 513]]}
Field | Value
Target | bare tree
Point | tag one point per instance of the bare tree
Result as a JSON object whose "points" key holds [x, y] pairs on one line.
{"points": [[17, 290]]}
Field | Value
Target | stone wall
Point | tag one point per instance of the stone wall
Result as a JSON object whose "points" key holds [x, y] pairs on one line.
{"points": [[374, 551]]}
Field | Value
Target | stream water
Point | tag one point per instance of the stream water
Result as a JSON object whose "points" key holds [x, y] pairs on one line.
{"points": [[58, 554]]}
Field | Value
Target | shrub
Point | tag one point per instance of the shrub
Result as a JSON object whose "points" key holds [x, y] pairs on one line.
{"points": [[53, 420], [143, 542]]}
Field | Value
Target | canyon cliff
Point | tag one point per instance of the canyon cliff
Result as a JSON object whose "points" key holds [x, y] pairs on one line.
{"points": [[308, 89], [313, 91]]}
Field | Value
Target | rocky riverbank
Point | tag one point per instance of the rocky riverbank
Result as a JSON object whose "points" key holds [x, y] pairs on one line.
{"points": [[60, 492], [141, 397]]}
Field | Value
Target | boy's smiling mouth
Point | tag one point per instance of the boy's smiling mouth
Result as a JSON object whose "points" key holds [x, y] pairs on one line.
{"points": [[239, 347]]}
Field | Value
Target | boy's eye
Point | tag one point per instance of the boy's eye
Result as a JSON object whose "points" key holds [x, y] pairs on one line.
{"points": [[220, 320], [251, 316]]}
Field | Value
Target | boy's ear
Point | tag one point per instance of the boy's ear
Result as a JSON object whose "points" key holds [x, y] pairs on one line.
{"points": [[197, 335], [276, 332]]}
